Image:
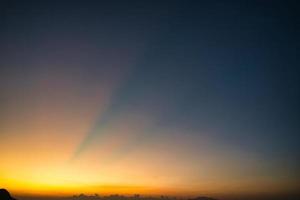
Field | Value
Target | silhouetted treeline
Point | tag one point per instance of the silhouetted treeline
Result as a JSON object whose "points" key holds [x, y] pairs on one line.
{"points": [[134, 197]]}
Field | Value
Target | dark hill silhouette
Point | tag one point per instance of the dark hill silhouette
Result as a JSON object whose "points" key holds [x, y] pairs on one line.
{"points": [[4, 195]]}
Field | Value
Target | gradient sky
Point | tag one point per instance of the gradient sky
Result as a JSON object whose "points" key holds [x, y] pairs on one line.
{"points": [[175, 97]]}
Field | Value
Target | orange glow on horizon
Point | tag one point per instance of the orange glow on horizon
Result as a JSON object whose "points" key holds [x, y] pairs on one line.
{"points": [[129, 154]]}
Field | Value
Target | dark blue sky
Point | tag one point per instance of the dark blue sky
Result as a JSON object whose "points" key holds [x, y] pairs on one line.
{"points": [[227, 68]]}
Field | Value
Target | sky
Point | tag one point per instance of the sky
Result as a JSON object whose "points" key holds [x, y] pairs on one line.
{"points": [[151, 97]]}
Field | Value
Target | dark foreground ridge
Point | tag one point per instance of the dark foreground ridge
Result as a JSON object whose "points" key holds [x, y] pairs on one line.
{"points": [[4, 195]]}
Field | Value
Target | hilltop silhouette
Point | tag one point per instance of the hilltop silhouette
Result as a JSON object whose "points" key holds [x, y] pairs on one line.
{"points": [[4, 195]]}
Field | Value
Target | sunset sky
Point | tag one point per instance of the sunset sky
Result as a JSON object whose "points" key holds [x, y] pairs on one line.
{"points": [[150, 97]]}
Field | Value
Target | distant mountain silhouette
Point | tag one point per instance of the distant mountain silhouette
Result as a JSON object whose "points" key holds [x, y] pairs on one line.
{"points": [[134, 197], [4, 195], [203, 198]]}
